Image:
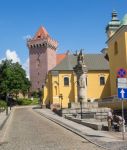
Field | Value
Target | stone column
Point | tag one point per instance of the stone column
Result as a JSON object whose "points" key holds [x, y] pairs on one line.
{"points": [[81, 71], [82, 88]]}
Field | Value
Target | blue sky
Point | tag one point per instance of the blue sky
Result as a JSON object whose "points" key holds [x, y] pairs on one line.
{"points": [[75, 24]]}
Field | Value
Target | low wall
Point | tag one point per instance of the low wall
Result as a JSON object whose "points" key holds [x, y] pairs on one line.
{"points": [[86, 105], [113, 104], [93, 125]]}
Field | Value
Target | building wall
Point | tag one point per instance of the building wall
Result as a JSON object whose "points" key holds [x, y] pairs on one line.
{"points": [[55, 86], [94, 89], [51, 58], [119, 60], [42, 59], [38, 67]]}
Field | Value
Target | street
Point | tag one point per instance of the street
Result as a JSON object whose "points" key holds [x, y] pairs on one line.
{"points": [[30, 131]]}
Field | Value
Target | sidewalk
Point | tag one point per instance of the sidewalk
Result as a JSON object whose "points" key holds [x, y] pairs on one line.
{"points": [[105, 139], [3, 118]]}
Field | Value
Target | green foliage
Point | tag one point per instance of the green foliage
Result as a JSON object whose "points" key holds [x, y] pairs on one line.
{"points": [[27, 102], [34, 101], [34, 94], [13, 78], [3, 104]]}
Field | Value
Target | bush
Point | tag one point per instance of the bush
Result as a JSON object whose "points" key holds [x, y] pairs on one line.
{"points": [[35, 94], [27, 102], [3, 104], [19, 102]]}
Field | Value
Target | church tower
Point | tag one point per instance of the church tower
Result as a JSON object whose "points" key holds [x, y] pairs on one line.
{"points": [[42, 57], [113, 25]]}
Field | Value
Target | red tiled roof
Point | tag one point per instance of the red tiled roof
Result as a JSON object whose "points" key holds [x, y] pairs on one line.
{"points": [[41, 33], [60, 57]]}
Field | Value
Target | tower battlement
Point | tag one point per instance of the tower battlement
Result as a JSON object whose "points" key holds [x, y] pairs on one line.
{"points": [[42, 42]]}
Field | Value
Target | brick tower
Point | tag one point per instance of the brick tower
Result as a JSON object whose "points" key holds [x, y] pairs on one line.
{"points": [[42, 57]]}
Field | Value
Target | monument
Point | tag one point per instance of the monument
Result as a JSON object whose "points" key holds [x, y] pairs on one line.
{"points": [[81, 72]]}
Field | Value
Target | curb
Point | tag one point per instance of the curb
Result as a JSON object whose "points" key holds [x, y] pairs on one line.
{"points": [[5, 125], [71, 129], [1, 126]]}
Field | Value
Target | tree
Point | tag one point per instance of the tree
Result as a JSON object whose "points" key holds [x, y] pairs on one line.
{"points": [[13, 78]]}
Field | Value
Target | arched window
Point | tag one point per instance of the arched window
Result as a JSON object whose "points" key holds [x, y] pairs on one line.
{"points": [[66, 81], [115, 48], [102, 80]]}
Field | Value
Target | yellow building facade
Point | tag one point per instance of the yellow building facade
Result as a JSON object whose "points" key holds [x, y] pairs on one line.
{"points": [[63, 80], [117, 48]]}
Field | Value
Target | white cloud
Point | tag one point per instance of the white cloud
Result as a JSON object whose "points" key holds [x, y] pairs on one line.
{"points": [[26, 67], [12, 55]]}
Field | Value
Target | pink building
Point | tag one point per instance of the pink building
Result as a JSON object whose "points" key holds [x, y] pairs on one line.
{"points": [[42, 57]]}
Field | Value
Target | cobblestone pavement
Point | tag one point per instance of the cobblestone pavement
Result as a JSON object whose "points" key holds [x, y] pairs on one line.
{"points": [[30, 131]]}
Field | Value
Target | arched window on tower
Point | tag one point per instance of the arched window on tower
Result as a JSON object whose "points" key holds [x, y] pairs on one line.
{"points": [[115, 48]]}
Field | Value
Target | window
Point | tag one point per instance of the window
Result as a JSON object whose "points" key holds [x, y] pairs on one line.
{"points": [[102, 80], [66, 81], [116, 48]]}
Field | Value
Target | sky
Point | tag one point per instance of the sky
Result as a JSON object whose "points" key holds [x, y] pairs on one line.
{"points": [[75, 24]]}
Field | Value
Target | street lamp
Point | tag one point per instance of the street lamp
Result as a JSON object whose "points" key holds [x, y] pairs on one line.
{"points": [[61, 97]]}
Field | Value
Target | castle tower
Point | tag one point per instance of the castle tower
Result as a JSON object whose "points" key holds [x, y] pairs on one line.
{"points": [[42, 57], [113, 25]]}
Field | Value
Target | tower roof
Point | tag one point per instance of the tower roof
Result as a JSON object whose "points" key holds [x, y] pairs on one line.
{"points": [[41, 33], [114, 23], [124, 20]]}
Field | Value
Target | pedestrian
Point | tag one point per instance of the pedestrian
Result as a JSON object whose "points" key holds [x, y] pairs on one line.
{"points": [[110, 120], [120, 122]]}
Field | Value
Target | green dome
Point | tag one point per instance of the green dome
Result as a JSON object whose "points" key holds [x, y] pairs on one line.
{"points": [[124, 20]]}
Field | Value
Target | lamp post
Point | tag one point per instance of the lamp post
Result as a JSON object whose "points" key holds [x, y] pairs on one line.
{"points": [[61, 97]]}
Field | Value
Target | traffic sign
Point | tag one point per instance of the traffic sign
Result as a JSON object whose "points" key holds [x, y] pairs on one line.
{"points": [[122, 83], [121, 73], [122, 93]]}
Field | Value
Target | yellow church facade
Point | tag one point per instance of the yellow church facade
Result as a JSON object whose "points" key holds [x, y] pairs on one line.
{"points": [[63, 80], [102, 69]]}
